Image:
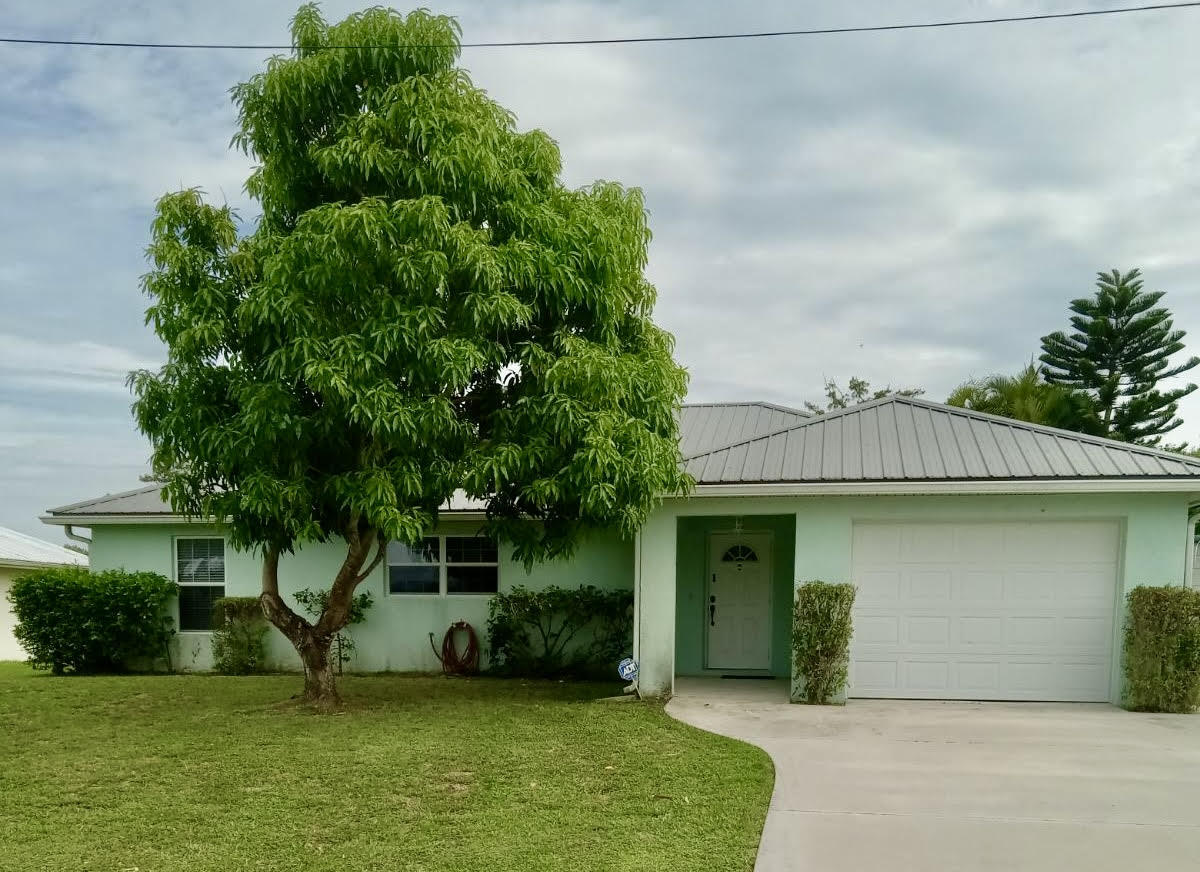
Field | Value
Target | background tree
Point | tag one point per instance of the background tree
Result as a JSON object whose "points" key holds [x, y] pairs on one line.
{"points": [[857, 391], [422, 307], [1119, 352], [1029, 397]]}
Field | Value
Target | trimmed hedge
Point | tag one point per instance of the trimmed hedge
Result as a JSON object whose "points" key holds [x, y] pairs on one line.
{"points": [[73, 620], [556, 632], [821, 631], [1162, 650], [239, 635]]}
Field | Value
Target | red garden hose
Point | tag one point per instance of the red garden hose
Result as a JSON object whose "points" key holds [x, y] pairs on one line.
{"points": [[453, 663]]}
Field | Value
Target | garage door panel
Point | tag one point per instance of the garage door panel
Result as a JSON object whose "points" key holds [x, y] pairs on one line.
{"points": [[930, 544], [979, 585], [980, 677], [981, 630], [987, 621], [877, 629], [879, 586], [928, 584]]}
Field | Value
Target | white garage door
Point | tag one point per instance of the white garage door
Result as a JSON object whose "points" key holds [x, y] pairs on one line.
{"points": [[1020, 611]]}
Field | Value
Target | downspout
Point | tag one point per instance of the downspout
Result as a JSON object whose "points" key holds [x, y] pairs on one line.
{"points": [[69, 532], [1189, 559]]}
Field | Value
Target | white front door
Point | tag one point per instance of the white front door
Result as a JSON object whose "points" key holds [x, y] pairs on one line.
{"points": [[737, 607]]}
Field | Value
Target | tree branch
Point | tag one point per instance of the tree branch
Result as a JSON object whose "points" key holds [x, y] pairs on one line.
{"points": [[381, 549], [274, 608]]}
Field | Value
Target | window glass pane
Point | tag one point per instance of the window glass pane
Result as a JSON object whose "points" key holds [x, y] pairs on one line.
{"points": [[196, 606], [200, 561], [413, 579], [402, 553], [472, 579], [470, 549]]}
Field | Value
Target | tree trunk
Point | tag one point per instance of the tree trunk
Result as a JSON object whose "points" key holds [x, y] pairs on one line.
{"points": [[312, 640], [320, 686]]}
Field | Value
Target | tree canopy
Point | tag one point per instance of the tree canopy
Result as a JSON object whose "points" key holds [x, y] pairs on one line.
{"points": [[1119, 351], [1029, 397], [857, 391], [423, 307]]}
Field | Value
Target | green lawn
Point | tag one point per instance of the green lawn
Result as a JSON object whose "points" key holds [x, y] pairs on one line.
{"points": [[191, 773]]}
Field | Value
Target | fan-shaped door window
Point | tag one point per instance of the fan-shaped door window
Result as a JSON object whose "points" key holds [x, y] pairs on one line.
{"points": [[739, 554]]}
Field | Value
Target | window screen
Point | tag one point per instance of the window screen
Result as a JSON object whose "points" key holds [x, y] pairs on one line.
{"points": [[444, 565], [414, 568], [200, 573]]}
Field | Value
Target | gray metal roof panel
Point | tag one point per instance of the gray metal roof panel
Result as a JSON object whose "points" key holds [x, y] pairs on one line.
{"points": [[908, 439], [891, 439], [708, 426]]}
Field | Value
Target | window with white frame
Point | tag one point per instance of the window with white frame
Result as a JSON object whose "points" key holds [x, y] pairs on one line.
{"points": [[442, 565], [200, 574]]}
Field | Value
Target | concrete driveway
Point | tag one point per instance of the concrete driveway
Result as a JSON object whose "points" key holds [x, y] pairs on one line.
{"points": [[962, 786]]}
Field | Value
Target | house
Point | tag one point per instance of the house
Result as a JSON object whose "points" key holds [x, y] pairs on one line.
{"points": [[19, 554], [991, 556]]}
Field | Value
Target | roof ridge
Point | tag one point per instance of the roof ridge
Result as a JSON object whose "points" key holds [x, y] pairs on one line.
{"points": [[777, 406], [84, 503], [1014, 423], [808, 420]]}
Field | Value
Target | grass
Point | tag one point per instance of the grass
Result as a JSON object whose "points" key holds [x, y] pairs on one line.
{"points": [[165, 773]]}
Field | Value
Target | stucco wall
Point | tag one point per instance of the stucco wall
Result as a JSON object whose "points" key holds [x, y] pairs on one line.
{"points": [[9, 649], [395, 635], [1154, 529]]}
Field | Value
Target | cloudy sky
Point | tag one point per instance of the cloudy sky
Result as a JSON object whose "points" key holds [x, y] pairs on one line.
{"points": [[915, 208]]}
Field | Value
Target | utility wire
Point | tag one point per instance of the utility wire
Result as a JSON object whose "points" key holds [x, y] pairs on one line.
{"points": [[765, 34]]}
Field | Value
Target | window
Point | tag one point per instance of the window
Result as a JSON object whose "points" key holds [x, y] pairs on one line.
{"points": [[443, 565], [740, 554], [200, 574]]}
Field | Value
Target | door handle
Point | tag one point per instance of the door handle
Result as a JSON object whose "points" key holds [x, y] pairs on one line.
{"points": [[712, 611]]}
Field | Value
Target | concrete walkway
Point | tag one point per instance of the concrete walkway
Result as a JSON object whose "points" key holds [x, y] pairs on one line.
{"points": [[960, 786]]}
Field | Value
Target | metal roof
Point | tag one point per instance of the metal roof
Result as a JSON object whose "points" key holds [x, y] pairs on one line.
{"points": [[17, 549], [891, 439], [705, 426], [142, 501], [907, 439], [702, 426], [148, 502]]}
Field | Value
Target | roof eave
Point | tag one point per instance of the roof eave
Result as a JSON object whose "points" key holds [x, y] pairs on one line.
{"points": [[132, 519], [1180, 484], [39, 564]]}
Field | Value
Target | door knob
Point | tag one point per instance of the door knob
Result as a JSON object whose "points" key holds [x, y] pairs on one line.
{"points": [[712, 611]]}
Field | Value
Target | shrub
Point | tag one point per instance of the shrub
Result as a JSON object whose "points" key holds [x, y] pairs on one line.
{"points": [[821, 631], [73, 620], [239, 635], [557, 631], [1162, 650]]}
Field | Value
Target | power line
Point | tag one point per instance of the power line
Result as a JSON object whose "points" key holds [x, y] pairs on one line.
{"points": [[701, 37]]}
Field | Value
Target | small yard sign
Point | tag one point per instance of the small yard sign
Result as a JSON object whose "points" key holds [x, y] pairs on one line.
{"points": [[627, 669]]}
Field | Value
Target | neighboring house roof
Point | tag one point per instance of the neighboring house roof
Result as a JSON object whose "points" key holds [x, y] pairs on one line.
{"points": [[17, 549], [907, 439], [894, 439], [704, 426]]}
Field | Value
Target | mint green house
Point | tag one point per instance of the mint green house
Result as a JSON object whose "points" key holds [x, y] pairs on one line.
{"points": [[991, 556]]}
